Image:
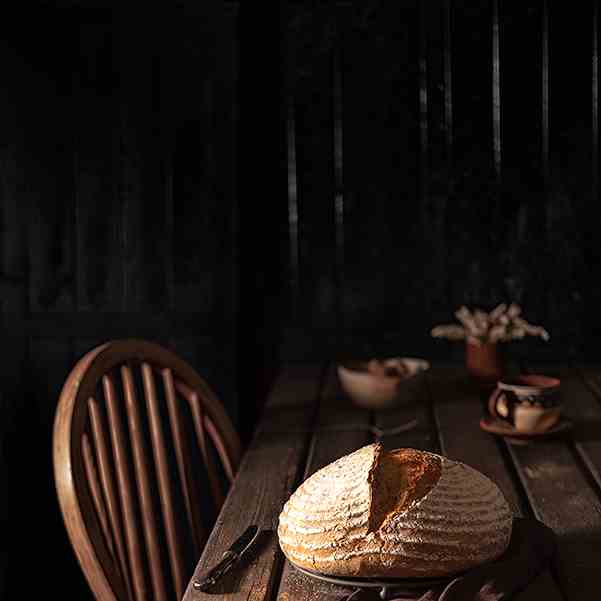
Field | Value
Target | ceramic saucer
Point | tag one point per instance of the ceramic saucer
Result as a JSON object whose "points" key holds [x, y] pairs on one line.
{"points": [[497, 426]]}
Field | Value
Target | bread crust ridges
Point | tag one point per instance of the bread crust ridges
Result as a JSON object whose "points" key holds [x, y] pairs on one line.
{"points": [[402, 513]]}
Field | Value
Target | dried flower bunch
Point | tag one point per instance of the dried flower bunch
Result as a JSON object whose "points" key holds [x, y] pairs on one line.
{"points": [[502, 324]]}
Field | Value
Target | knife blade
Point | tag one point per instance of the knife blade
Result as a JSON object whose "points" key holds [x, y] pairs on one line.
{"points": [[228, 559]]}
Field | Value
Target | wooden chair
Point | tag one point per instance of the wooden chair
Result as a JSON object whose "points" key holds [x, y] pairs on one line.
{"points": [[129, 470]]}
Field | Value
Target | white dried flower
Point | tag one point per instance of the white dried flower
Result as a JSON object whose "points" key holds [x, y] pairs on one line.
{"points": [[503, 323], [530, 329], [451, 331], [481, 319], [514, 310], [465, 317], [538, 331], [497, 312], [497, 333], [503, 320]]}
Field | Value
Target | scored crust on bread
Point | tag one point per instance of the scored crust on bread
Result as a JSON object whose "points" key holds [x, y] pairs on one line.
{"points": [[402, 513]]}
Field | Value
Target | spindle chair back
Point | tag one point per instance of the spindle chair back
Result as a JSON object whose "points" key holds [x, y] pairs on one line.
{"points": [[143, 451]]}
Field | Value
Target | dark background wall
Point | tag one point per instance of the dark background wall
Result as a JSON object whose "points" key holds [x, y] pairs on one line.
{"points": [[118, 218], [250, 185], [445, 152]]}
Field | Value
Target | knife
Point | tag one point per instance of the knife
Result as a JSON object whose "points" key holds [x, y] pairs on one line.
{"points": [[228, 559]]}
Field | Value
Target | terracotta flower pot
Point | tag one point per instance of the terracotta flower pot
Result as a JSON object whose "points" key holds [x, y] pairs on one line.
{"points": [[484, 364]]}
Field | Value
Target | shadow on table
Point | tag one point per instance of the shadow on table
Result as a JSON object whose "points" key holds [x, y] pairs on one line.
{"points": [[453, 387], [578, 562], [586, 430]]}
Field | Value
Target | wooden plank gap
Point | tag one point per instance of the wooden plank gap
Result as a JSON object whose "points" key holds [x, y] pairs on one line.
{"points": [[512, 469], [336, 409], [307, 456], [587, 466], [522, 480], [423, 435], [432, 417], [591, 384], [555, 569], [458, 408], [436, 420], [566, 494], [303, 470]]}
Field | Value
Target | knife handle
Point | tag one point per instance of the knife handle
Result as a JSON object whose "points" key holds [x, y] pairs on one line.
{"points": [[216, 572]]}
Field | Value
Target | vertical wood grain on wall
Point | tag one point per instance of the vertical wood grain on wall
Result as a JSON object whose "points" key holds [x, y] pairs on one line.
{"points": [[570, 214], [97, 218], [383, 164], [96, 200], [309, 46], [13, 295], [470, 162]]}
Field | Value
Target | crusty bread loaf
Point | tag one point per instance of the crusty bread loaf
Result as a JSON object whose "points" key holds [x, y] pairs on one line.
{"points": [[403, 513]]}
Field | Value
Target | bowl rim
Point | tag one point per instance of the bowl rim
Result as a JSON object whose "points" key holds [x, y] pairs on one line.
{"points": [[417, 365]]}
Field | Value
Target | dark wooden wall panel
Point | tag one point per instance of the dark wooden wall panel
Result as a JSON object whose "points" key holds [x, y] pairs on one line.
{"points": [[436, 112], [32, 488], [117, 219], [437, 54], [194, 178], [471, 236], [438, 153], [141, 168], [469, 173], [13, 300], [97, 204], [520, 31], [194, 290], [381, 168], [227, 141], [523, 248], [45, 105], [571, 207], [310, 51]]}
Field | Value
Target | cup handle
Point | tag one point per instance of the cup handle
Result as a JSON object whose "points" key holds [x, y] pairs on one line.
{"points": [[492, 402], [511, 400]]}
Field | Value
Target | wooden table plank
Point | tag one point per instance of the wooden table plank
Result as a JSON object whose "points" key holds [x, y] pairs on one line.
{"points": [[588, 432], [553, 480], [270, 470], [591, 373], [563, 495], [423, 436], [327, 445], [458, 407]]}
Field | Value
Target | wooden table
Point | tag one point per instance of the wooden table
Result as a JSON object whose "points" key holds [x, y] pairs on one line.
{"points": [[308, 423]]}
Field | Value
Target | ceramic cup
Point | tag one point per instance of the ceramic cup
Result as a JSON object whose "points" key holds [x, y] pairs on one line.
{"points": [[530, 403]]}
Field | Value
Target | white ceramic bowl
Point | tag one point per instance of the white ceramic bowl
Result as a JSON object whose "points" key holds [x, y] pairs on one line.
{"points": [[380, 391]]}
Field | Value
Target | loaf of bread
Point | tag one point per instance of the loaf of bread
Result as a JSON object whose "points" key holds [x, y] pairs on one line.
{"points": [[402, 514]]}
